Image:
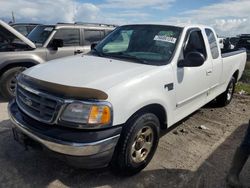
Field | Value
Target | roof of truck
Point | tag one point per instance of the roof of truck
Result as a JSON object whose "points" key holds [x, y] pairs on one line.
{"points": [[12, 24], [182, 25], [86, 24], [189, 25]]}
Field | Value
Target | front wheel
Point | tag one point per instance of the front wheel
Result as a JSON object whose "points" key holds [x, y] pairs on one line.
{"points": [[226, 97], [8, 82], [137, 144]]}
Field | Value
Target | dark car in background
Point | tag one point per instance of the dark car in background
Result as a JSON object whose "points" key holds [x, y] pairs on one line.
{"points": [[234, 40], [24, 28], [244, 42]]}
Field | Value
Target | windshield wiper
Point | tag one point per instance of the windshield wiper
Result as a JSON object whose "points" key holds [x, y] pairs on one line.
{"points": [[127, 56]]}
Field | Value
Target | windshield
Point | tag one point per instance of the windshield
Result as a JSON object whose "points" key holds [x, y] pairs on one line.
{"points": [[24, 29], [149, 44], [40, 34]]}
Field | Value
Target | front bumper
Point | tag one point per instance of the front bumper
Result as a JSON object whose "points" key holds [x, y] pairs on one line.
{"points": [[52, 139]]}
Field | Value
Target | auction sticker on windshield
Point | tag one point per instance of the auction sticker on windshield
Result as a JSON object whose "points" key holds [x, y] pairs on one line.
{"points": [[165, 38]]}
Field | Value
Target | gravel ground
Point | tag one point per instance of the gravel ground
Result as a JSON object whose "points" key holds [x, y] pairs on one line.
{"points": [[187, 156]]}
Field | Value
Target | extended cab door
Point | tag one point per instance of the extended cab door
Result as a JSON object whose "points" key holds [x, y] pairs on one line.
{"points": [[215, 73], [71, 40], [192, 83]]}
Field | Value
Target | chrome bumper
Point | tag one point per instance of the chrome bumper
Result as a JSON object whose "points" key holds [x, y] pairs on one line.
{"points": [[64, 147]]}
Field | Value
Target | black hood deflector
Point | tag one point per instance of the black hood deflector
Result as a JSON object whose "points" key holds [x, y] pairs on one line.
{"points": [[64, 91]]}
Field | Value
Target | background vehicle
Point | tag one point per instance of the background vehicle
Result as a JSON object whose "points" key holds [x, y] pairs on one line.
{"points": [[244, 42], [44, 43], [221, 42], [234, 40], [24, 28], [108, 107]]}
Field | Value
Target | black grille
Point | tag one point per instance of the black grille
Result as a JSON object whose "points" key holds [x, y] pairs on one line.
{"points": [[37, 106]]}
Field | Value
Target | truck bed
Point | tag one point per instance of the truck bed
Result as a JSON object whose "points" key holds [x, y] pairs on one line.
{"points": [[231, 52], [233, 60]]}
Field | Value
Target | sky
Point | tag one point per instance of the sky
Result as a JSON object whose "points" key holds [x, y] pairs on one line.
{"points": [[228, 17]]}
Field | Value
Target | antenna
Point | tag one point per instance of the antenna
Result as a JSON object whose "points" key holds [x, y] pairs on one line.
{"points": [[13, 17]]}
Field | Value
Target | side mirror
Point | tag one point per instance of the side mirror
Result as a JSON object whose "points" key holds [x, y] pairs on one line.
{"points": [[56, 43], [93, 45], [192, 59]]}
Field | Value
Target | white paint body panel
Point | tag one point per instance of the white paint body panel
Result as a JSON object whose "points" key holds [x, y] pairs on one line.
{"points": [[131, 86]]}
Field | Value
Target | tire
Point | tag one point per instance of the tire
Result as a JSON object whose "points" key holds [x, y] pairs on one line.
{"points": [[8, 82], [225, 98], [137, 144]]}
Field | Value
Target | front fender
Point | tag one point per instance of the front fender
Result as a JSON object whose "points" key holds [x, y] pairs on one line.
{"points": [[10, 58], [139, 92]]}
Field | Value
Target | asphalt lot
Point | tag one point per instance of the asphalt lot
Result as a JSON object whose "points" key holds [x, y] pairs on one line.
{"points": [[187, 156]]}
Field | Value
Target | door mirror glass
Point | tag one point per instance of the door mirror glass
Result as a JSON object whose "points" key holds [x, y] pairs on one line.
{"points": [[192, 59], [56, 43]]}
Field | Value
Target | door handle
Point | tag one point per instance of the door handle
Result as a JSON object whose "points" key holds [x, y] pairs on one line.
{"points": [[78, 52], [208, 72]]}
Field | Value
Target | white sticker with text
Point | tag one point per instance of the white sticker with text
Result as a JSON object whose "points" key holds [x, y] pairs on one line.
{"points": [[165, 38]]}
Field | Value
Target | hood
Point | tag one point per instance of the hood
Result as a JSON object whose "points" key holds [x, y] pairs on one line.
{"points": [[87, 71], [8, 30]]}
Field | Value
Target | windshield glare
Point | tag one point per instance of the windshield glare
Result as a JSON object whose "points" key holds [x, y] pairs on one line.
{"points": [[149, 44], [40, 34]]}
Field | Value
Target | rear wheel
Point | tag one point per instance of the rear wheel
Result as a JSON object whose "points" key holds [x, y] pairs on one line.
{"points": [[226, 97], [137, 144], [8, 82]]}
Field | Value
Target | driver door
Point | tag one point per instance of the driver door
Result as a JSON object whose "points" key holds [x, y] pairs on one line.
{"points": [[192, 82]]}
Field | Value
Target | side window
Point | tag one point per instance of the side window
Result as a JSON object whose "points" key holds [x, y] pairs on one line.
{"points": [[92, 36], [70, 37], [195, 43], [212, 43]]}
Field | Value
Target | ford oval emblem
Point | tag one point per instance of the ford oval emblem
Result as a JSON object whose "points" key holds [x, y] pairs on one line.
{"points": [[28, 102]]}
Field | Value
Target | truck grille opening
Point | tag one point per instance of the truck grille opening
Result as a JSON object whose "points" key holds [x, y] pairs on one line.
{"points": [[36, 105]]}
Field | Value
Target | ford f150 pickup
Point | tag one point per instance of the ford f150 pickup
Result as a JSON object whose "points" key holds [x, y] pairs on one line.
{"points": [[44, 43], [109, 106]]}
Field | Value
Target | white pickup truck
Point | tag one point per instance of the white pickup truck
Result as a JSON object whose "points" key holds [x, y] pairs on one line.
{"points": [[109, 106]]}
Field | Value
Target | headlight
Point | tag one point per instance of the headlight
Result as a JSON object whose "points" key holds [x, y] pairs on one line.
{"points": [[87, 114]]}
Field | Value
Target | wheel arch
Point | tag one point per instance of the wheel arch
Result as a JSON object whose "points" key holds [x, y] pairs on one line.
{"points": [[156, 109], [10, 65], [236, 75]]}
